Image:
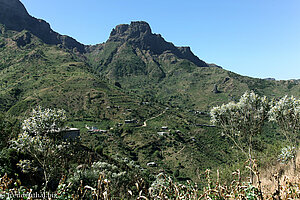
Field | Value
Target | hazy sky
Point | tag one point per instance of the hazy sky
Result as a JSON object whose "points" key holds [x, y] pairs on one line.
{"points": [[258, 38]]}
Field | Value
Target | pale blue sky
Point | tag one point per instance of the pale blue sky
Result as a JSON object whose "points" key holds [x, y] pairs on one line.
{"points": [[258, 38]]}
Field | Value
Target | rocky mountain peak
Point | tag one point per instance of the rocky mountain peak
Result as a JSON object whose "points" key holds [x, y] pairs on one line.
{"points": [[139, 35], [125, 32], [14, 16]]}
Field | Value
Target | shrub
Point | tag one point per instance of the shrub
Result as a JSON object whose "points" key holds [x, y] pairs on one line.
{"points": [[286, 113], [40, 142], [243, 120]]}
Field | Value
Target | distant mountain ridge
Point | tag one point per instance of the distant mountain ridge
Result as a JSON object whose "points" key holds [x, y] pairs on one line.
{"points": [[139, 34], [135, 75], [136, 58], [132, 50], [15, 17], [142, 61]]}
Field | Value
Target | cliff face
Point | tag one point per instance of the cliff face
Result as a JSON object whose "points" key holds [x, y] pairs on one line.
{"points": [[139, 35], [15, 17]]}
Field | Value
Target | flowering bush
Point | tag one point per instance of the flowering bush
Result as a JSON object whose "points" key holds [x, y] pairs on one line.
{"points": [[242, 120], [39, 142], [166, 188], [89, 175], [286, 113], [251, 110], [109, 170], [287, 153], [44, 122]]}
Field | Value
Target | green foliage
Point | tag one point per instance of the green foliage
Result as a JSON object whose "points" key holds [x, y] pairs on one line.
{"points": [[286, 113], [8, 128], [40, 74], [39, 141], [176, 173], [8, 161], [243, 120]]}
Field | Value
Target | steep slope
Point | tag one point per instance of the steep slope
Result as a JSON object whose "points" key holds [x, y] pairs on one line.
{"points": [[135, 76], [139, 35], [134, 50], [145, 62], [34, 73], [14, 16]]}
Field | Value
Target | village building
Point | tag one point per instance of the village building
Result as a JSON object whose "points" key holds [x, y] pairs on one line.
{"points": [[71, 134]]}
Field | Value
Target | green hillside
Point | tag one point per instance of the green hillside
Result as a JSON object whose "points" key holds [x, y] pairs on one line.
{"points": [[151, 98], [35, 73], [39, 74], [173, 79]]}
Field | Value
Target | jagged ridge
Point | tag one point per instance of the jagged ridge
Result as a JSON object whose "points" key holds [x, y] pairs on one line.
{"points": [[15, 17], [139, 35]]}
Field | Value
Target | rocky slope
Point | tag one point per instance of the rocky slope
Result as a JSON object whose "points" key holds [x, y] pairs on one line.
{"points": [[15, 17], [132, 49], [139, 35]]}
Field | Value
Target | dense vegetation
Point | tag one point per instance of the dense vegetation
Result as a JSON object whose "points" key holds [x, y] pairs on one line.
{"points": [[152, 109], [51, 161]]}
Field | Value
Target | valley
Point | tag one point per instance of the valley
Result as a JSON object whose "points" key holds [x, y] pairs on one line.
{"points": [[153, 100]]}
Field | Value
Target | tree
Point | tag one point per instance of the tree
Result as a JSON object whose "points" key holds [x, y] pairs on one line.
{"points": [[41, 141], [242, 121], [286, 113]]}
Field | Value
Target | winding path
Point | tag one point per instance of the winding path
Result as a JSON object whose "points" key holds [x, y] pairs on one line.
{"points": [[145, 122]]}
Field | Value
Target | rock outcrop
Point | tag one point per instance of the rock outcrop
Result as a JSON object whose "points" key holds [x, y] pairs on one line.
{"points": [[215, 90], [15, 17], [23, 39], [139, 35]]}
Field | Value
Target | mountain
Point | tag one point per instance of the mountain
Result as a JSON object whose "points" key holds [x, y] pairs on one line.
{"points": [[14, 16], [144, 62], [139, 35], [136, 76], [143, 51]]}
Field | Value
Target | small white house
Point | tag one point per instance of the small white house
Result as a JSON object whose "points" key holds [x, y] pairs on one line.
{"points": [[151, 164], [130, 121], [163, 133]]}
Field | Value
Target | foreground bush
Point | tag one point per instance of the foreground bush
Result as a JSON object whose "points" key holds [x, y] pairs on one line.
{"points": [[42, 143], [286, 113], [242, 121]]}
